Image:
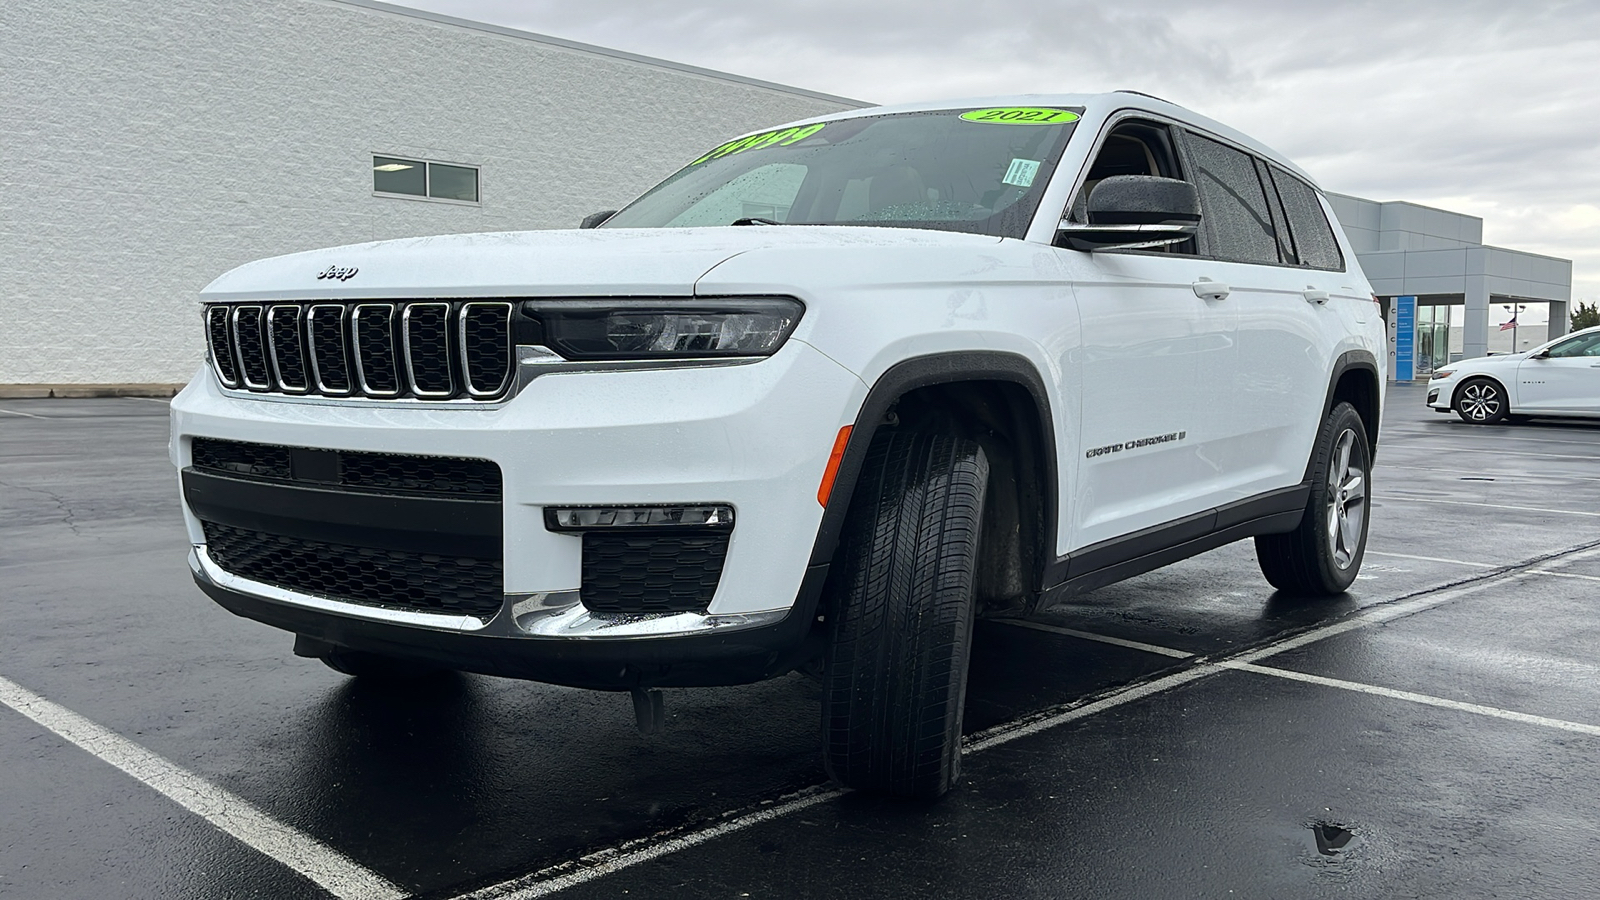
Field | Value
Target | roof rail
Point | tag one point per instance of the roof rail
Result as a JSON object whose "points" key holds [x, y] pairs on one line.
{"points": [[1143, 94]]}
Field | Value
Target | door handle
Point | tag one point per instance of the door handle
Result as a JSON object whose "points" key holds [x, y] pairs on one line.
{"points": [[1206, 289], [1313, 295]]}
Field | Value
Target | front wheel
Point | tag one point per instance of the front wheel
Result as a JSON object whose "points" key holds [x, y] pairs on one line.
{"points": [[1482, 401], [895, 674], [1321, 557]]}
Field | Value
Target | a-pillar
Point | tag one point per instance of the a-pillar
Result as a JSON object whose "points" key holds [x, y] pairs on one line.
{"points": [[1475, 322], [1560, 319]]}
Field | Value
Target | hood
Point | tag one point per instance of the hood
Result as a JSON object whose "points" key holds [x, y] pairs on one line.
{"points": [[620, 261]]}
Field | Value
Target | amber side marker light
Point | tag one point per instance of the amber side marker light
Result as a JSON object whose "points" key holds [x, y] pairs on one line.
{"points": [[832, 471]]}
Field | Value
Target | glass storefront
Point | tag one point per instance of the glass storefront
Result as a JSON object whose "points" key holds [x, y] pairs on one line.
{"points": [[1438, 344]]}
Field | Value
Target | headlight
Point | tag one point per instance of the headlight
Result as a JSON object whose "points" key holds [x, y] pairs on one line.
{"points": [[1442, 374], [665, 329]]}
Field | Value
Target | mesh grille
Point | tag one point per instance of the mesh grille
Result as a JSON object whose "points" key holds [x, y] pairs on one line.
{"points": [[394, 473], [424, 349], [288, 352], [486, 343], [217, 335], [651, 573], [375, 348], [380, 473], [428, 348], [419, 582], [247, 334], [236, 458]]}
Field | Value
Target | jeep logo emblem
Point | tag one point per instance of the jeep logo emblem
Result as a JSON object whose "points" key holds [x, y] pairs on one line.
{"points": [[341, 273]]}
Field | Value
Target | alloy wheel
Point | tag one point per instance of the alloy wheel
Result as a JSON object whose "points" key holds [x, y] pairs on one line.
{"points": [[1480, 401], [1347, 500]]}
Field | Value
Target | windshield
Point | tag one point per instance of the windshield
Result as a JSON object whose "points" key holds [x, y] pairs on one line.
{"points": [[980, 171]]}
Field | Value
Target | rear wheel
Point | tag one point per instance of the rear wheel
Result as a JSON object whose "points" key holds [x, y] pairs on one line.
{"points": [[895, 675], [1321, 557], [1482, 401]]}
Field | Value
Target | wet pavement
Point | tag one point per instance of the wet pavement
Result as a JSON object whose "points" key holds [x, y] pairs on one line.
{"points": [[1187, 733]]}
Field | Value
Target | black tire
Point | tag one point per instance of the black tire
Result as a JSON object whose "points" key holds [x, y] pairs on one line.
{"points": [[360, 664], [1482, 401], [1321, 557], [900, 629]]}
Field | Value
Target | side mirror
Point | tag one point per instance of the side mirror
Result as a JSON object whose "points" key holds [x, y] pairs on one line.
{"points": [[1542, 354], [594, 220], [1128, 212]]}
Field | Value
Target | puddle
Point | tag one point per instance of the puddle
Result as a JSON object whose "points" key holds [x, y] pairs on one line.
{"points": [[1333, 841]]}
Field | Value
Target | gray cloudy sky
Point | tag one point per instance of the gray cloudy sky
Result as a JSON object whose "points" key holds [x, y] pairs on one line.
{"points": [[1488, 108]]}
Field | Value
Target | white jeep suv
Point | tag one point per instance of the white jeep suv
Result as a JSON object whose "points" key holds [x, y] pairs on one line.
{"points": [[813, 402]]}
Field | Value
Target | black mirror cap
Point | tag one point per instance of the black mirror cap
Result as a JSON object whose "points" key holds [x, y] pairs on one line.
{"points": [[1143, 200], [595, 220]]}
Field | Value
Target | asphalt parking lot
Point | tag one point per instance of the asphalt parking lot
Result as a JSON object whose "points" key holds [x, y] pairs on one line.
{"points": [[1436, 732]]}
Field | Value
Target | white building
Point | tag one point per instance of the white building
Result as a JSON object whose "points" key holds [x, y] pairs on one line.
{"points": [[147, 147], [1438, 258]]}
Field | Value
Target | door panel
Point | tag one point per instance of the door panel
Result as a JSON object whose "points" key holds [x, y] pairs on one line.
{"points": [[1156, 370]]}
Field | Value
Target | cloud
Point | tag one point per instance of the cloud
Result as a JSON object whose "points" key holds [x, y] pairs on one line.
{"points": [[1483, 107]]}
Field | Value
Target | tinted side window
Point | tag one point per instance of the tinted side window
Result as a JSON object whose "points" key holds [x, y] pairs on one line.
{"points": [[1313, 236], [1232, 203]]}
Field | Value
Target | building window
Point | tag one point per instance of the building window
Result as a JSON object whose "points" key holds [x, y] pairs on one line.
{"points": [[420, 178]]}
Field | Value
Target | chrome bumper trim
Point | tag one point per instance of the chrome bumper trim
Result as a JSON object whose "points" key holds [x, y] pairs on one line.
{"points": [[553, 615]]}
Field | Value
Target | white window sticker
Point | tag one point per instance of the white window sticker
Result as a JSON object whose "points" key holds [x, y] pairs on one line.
{"points": [[1021, 172]]}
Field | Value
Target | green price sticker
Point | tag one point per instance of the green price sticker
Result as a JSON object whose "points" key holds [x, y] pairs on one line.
{"points": [[780, 138], [1020, 115]]}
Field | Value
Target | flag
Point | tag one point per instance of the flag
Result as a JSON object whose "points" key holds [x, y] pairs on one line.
{"points": [[1509, 325]]}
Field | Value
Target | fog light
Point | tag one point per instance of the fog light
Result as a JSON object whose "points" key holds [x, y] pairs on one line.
{"points": [[587, 518]]}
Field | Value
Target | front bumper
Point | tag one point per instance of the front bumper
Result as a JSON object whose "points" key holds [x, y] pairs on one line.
{"points": [[756, 437], [1440, 394]]}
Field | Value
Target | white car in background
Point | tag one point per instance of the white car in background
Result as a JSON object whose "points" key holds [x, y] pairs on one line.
{"points": [[1558, 378]]}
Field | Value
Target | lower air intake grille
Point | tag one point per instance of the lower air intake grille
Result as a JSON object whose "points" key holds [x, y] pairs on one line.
{"points": [[416, 582], [651, 573], [397, 474]]}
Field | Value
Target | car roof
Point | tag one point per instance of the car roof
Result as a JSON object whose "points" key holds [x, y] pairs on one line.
{"points": [[1094, 105]]}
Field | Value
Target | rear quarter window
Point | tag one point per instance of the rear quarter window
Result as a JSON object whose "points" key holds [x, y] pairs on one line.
{"points": [[1313, 236]]}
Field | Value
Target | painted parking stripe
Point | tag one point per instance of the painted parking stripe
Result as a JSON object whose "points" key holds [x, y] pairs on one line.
{"points": [[12, 412], [320, 863], [597, 865], [1565, 574], [1090, 636], [1413, 697], [1537, 509], [1437, 559], [574, 872]]}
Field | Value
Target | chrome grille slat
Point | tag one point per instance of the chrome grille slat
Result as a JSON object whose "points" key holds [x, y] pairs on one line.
{"points": [[486, 347], [437, 351], [425, 328], [330, 362], [252, 353], [372, 326], [286, 349], [219, 338]]}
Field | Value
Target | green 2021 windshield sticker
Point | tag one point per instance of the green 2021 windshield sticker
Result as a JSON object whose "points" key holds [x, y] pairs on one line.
{"points": [[1020, 115], [783, 137]]}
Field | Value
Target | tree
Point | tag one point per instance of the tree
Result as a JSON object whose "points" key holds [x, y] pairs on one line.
{"points": [[1586, 316]]}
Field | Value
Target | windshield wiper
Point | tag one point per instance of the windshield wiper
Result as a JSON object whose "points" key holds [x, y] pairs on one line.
{"points": [[755, 220]]}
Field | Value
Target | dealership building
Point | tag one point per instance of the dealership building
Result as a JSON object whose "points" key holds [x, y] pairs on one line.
{"points": [[150, 147]]}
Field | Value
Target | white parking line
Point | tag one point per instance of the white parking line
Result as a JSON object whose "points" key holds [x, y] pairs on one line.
{"points": [[1413, 697], [1564, 574], [1537, 509], [1521, 453], [576, 872], [330, 869], [573, 872], [1090, 636], [1437, 559], [12, 412]]}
